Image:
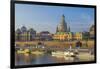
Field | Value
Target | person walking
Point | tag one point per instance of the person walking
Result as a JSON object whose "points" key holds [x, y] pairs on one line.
{"points": [[78, 45], [70, 47]]}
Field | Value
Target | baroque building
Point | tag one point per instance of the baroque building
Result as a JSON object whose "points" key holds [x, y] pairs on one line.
{"points": [[62, 27], [18, 35], [62, 31], [92, 32], [45, 35], [78, 36], [63, 36], [31, 34], [23, 34]]}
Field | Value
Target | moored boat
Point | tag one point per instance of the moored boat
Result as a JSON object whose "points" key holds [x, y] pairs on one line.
{"points": [[23, 51], [66, 53], [37, 52], [69, 54]]}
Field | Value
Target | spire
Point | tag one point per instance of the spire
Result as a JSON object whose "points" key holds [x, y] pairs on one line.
{"points": [[63, 16], [57, 29], [63, 24], [63, 19], [68, 29], [92, 28], [62, 27], [23, 29]]}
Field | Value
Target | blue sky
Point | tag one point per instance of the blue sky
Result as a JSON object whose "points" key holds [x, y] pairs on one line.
{"points": [[46, 18]]}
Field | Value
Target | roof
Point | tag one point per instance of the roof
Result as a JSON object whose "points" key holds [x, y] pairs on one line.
{"points": [[44, 32]]}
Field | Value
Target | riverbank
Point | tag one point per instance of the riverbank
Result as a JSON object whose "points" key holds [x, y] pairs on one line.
{"points": [[85, 44]]}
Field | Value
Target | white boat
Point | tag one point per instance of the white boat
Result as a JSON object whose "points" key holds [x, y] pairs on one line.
{"points": [[62, 54], [69, 54], [37, 52], [23, 51], [58, 54]]}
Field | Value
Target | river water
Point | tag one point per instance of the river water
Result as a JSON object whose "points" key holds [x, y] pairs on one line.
{"points": [[30, 59]]}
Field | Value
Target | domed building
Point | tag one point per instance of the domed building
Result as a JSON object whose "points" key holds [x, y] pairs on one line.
{"points": [[78, 36], [18, 35], [45, 35], [23, 29], [23, 34], [62, 27], [62, 31], [31, 34]]}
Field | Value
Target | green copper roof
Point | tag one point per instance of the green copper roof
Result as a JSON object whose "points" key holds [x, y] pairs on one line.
{"points": [[61, 33]]}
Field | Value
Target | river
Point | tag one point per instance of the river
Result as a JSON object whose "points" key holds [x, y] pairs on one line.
{"points": [[30, 59]]}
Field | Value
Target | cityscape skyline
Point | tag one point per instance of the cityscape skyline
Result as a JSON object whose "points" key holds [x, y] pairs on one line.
{"points": [[50, 16]]}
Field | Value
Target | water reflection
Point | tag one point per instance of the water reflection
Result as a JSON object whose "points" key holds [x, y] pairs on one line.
{"points": [[30, 59]]}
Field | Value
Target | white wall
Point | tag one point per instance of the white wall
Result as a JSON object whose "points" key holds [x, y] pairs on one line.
{"points": [[5, 34]]}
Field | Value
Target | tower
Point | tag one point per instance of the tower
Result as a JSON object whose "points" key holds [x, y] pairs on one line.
{"points": [[68, 29], [62, 30], [62, 27], [92, 32], [57, 29]]}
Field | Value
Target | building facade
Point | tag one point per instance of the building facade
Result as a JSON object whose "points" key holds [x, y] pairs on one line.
{"points": [[45, 35], [31, 34], [78, 36], [62, 31], [62, 36], [92, 32], [25, 35], [18, 35], [62, 27]]}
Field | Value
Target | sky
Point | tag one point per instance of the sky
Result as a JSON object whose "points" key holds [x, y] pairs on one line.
{"points": [[46, 18]]}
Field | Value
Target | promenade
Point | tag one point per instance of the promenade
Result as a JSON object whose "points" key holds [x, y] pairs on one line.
{"points": [[62, 44]]}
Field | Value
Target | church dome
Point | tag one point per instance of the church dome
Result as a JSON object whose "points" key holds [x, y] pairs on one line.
{"points": [[92, 28], [62, 27], [23, 29], [31, 30]]}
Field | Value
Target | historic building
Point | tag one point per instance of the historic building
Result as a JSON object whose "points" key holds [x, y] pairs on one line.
{"points": [[92, 32], [70, 36], [86, 35], [25, 35], [62, 27], [45, 35], [60, 36], [63, 36], [62, 31], [31, 34], [18, 35], [78, 36]]}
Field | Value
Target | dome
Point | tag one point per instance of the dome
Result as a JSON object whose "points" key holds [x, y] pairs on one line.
{"points": [[18, 31], [23, 29], [92, 28], [62, 27], [31, 30]]}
